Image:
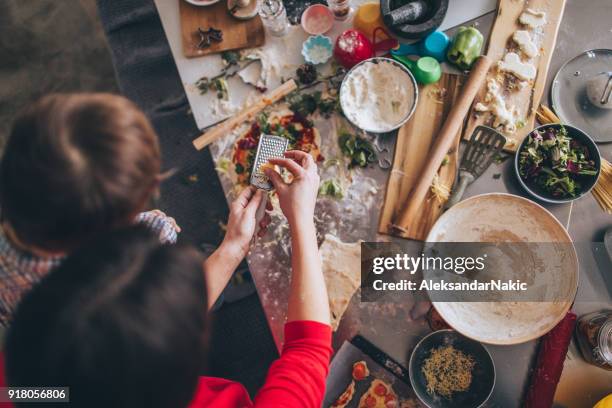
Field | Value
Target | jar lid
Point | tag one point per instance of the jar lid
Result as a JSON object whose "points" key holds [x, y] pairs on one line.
{"points": [[605, 341]]}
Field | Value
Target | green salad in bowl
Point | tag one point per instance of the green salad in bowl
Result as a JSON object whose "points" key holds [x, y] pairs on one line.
{"points": [[558, 163]]}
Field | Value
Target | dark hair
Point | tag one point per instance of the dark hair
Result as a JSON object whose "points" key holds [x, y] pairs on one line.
{"points": [[122, 323], [76, 165]]}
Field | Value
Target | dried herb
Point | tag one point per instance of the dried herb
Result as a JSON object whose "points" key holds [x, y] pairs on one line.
{"points": [[230, 58], [232, 66], [358, 149], [447, 371]]}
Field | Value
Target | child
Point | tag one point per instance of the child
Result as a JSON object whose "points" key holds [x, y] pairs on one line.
{"points": [[74, 166], [125, 318]]}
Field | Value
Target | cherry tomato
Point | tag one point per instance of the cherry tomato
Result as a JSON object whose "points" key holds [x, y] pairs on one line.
{"points": [[359, 371], [370, 401], [389, 397], [380, 390]]}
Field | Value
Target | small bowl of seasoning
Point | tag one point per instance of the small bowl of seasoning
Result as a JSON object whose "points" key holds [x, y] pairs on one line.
{"points": [[317, 19], [317, 49], [448, 370]]}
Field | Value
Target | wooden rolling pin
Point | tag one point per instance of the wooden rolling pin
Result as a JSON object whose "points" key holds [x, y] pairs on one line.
{"points": [[444, 142], [247, 114]]}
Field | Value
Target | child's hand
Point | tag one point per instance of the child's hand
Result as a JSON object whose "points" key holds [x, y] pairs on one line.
{"points": [[242, 224], [298, 199]]}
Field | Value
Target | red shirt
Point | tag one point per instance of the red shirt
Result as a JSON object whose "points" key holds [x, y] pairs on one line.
{"points": [[296, 379]]}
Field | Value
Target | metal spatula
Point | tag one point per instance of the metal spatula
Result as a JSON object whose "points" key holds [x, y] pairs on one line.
{"points": [[480, 151]]}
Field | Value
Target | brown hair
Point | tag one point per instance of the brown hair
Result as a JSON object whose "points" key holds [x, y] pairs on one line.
{"points": [[76, 165]]}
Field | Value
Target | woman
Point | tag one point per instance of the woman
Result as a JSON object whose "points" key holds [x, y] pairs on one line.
{"points": [[132, 330]]}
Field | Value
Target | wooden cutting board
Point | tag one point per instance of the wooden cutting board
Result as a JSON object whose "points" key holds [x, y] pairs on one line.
{"points": [[414, 141], [237, 34], [527, 99]]}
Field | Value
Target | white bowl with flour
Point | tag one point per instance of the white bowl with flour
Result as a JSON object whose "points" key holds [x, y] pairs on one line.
{"points": [[378, 95]]}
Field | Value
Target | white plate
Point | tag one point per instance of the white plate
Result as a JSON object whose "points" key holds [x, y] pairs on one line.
{"points": [[507, 218]]}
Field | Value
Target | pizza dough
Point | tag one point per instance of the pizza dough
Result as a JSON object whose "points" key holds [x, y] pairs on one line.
{"points": [[342, 272], [301, 134], [345, 397], [379, 395]]}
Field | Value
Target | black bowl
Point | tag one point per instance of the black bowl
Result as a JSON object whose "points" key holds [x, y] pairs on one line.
{"points": [[483, 374], [587, 182]]}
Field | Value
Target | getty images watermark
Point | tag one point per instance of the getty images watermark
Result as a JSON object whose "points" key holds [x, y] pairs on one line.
{"points": [[469, 272]]}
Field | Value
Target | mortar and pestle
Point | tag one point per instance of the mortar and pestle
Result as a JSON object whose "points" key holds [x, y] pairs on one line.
{"points": [[413, 19]]}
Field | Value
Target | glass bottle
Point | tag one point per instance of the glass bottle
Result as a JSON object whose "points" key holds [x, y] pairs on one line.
{"points": [[274, 17], [594, 333]]}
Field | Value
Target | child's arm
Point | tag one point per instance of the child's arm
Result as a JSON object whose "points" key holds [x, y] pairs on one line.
{"points": [[220, 266], [158, 222]]}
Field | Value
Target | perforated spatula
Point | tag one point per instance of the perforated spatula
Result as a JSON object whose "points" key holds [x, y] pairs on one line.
{"points": [[480, 151]]}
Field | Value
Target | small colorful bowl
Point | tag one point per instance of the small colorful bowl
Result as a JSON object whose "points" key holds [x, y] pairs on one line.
{"points": [[317, 19], [317, 49]]}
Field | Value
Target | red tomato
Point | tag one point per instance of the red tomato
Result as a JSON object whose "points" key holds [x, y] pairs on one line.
{"points": [[389, 397], [352, 47], [380, 390], [359, 371]]}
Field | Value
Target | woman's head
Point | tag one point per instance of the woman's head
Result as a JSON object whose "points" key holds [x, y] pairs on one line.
{"points": [[76, 165], [122, 323]]}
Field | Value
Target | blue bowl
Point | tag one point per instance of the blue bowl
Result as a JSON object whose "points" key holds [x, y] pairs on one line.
{"points": [[317, 49]]}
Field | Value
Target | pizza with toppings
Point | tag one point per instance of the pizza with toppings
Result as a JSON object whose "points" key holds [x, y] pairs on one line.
{"points": [[379, 395], [301, 133], [345, 397]]}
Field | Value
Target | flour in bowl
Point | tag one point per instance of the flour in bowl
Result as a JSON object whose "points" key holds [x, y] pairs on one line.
{"points": [[377, 96]]}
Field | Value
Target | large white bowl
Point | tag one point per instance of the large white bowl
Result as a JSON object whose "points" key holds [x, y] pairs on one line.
{"points": [[505, 218]]}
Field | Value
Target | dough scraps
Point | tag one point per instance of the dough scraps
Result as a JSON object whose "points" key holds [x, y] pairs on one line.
{"points": [[342, 272]]}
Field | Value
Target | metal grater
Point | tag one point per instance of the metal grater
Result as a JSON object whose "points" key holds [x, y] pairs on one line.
{"points": [[270, 147]]}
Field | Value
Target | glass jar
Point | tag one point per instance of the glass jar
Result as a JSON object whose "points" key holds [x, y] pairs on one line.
{"points": [[340, 8], [594, 332], [274, 17]]}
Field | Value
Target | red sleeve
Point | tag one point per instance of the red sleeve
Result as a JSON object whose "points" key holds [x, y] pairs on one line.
{"points": [[297, 378]]}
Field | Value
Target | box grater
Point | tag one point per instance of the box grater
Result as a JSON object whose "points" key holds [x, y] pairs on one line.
{"points": [[270, 147]]}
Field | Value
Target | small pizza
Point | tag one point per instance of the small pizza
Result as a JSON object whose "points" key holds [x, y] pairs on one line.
{"points": [[360, 370], [379, 395], [345, 397], [301, 133]]}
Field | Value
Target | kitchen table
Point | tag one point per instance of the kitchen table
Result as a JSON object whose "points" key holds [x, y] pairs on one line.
{"points": [[585, 25]]}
